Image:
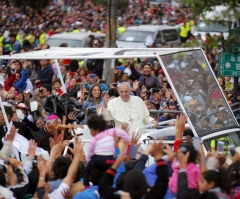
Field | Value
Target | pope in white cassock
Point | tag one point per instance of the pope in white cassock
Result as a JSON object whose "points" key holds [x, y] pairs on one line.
{"points": [[126, 109]]}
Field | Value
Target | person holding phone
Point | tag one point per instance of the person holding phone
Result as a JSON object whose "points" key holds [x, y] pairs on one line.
{"points": [[96, 65]]}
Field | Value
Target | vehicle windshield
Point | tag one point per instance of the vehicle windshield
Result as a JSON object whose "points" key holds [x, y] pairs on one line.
{"points": [[135, 36], [54, 42], [213, 26], [198, 91]]}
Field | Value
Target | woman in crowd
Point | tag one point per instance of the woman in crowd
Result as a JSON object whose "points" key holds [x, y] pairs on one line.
{"points": [[94, 99]]}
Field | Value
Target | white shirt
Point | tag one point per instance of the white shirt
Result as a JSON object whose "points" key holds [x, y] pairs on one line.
{"points": [[29, 86], [57, 194]]}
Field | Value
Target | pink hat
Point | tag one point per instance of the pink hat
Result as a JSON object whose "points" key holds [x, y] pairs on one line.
{"points": [[53, 117]]}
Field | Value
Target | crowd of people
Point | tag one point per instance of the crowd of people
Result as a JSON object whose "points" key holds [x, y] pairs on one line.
{"points": [[114, 166]]}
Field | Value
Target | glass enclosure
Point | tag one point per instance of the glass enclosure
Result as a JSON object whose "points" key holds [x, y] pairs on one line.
{"points": [[199, 92]]}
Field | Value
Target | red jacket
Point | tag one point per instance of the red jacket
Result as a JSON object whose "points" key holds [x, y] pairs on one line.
{"points": [[9, 82]]}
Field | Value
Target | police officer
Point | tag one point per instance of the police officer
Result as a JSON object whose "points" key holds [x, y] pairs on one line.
{"points": [[184, 30]]}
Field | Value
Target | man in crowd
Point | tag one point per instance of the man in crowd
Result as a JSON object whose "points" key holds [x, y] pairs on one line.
{"points": [[45, 134], [45, 73], [96, 65], [126, 109]]}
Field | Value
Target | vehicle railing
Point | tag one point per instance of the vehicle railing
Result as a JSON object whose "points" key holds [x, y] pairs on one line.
{"points": [[169, 111], [139, 129], [235, 104], [225, 108]]}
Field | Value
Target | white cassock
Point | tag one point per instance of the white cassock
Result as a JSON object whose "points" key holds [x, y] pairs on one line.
{"points": [[134, 112]]}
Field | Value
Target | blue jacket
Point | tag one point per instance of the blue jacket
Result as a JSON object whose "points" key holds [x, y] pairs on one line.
{"points": [[22, 84], [91, 106], [16, 46], [45, 75], [90, 193]]}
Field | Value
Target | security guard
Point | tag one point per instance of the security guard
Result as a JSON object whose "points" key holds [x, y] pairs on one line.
{"points": [[184, 33], [19, 38], [121, 29], [1, 38], [75, 30], [29, 37], [42, 37]]}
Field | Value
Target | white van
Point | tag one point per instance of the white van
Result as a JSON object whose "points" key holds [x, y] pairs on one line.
{"points": [[134, 36], [214, 26], [73, 40]]}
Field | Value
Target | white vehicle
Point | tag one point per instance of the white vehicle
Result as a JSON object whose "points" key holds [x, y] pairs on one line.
{"points": [[214, 26], [169, 59], [74, 40], [135, 36]]}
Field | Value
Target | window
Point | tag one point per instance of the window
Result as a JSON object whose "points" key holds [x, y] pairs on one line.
{"points": [[135, 36], [158, 38], [170, 35], [54, 42]]}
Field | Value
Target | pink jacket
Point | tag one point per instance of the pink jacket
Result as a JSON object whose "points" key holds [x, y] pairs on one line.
{"points": [[104, 141], [193, 174]]}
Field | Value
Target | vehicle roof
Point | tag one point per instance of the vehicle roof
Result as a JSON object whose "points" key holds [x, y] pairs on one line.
{"points": [[150, 27], [76, 35]]}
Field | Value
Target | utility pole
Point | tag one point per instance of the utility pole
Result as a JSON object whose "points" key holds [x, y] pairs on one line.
{"points": [[110, 38]]}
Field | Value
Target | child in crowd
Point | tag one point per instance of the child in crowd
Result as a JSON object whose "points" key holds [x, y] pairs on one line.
{"points": [[215, 181], [193, 171], [101, 152], [57, 87]]}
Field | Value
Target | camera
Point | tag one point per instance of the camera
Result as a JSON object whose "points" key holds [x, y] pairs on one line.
{"points": [[40, 90], [62, 106]]}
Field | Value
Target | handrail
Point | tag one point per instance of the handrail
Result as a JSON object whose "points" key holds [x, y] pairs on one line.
{"points": [[225, 108], [234, 104], [152, 125], [170, 111], [143, 127]]}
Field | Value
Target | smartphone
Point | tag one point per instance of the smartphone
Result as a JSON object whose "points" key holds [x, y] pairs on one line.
{"points": [[196, 143], [133, 151], [231, 149], [86, 93], [121, 68], [220, 147], [92, 75], [115, 85]]}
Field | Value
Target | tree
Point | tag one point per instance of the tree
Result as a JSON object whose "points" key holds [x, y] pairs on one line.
{"points": [[35, 4], [206, 5]]}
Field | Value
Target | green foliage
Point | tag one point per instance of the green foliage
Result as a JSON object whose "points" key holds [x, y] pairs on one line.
{"points": [[122, 4], [198, 6], [190, 44], [35, 4]]}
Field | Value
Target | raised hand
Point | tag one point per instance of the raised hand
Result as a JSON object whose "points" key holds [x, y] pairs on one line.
{"points": [[183, 159], [135, 85], [32, 148], [135, 138], [11, 134], [106, 100]]}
